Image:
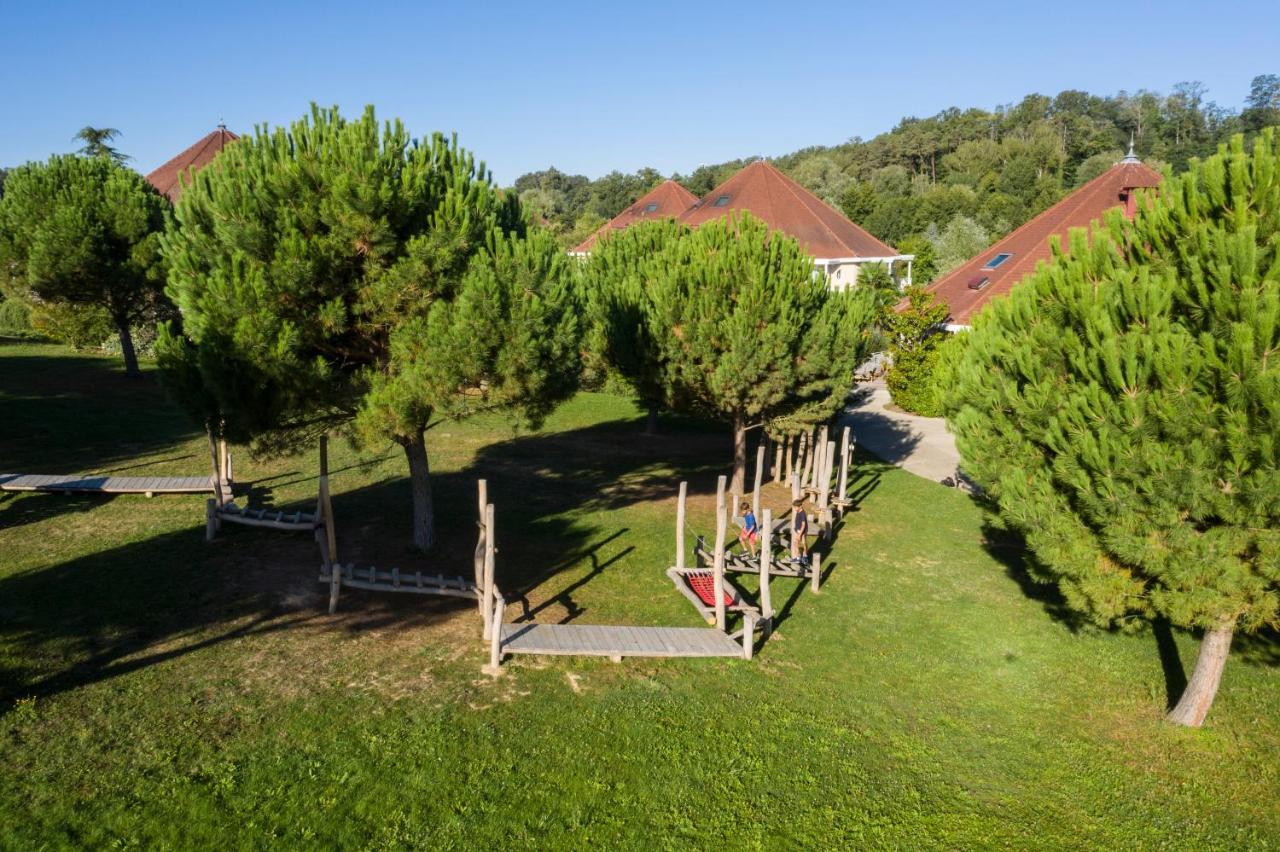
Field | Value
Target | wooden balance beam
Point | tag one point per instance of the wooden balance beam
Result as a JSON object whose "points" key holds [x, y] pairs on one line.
{"points": [[374, 579], [221, 509]]}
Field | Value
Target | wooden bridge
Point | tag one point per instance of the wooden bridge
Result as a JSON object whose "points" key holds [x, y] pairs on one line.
{"points": [[617, 641], [103, 484]]}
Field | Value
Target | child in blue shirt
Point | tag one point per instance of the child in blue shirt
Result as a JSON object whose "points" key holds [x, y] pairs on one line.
{"points": [[750, 533]]}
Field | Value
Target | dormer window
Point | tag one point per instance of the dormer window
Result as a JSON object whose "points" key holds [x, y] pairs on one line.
{"points": [[996, 261], [722, 201], [651, 207]]}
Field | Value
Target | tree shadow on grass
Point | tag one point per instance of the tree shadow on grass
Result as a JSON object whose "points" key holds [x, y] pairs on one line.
{"points": [[18, 508], [121, 609], [1009, 548], [72, 414]]}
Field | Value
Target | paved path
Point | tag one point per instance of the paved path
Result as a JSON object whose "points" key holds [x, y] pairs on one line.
{"points": [[921, 445]]}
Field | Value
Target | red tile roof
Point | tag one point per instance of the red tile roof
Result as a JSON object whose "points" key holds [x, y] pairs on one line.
{"points": [[168, 177], [786, 206], [667, 200], [1029, 244]]}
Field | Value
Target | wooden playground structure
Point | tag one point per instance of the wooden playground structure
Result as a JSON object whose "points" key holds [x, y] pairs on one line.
{"points": [[707, 587], [810, 467]]}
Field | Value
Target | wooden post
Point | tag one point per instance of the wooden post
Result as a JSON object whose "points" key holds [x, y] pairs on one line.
{"points": [[490, 593], [217, 471], [824, 488], [210, 519], [755, 495], [748, 634], [477, 558], [495, 636], [722, 522], [778, 450], [790, 446], [330, 548], [680, 501], [766, 563], [802, 462], [815, 578], [231, 479], [795, 486], [842, 492]]}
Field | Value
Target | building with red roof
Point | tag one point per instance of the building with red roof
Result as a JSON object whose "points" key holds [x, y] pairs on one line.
{"points": [[168, 178], [838, 246], [992, 273], [667, 200]]}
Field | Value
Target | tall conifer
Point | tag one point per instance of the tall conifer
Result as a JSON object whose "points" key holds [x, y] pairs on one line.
{"points": [[1122, 407]]}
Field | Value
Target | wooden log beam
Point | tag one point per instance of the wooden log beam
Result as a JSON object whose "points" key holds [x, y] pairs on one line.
{"points": [[766, 563], [487, 590], [680, 510], [842, 489], [722, 523], [482, 488], [755, 493]]}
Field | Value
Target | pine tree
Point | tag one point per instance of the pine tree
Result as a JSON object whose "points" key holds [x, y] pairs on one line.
{"points": [[85, 232], [915, 341], [748, 334], [1122, 407], [340, 275], [616, 279]]}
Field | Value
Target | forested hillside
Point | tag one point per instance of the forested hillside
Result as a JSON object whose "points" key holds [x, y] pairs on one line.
{"points": [[947, 185]]}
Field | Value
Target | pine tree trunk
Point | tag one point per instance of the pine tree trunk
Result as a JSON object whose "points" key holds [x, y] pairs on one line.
{"points": [[424, 522], [739, 456], [1197, 698], [126, 349], [651, 422]]}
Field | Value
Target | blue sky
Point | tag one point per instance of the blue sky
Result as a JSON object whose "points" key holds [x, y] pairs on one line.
{"points": [[589, 87]]}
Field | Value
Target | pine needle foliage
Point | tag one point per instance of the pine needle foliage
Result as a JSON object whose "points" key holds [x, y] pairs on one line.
{"points": [[338, 274], [748, 334], [1122, 408], [82, 234]]}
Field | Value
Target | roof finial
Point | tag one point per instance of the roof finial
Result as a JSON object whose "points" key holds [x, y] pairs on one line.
{"points": [[1131, 157]]}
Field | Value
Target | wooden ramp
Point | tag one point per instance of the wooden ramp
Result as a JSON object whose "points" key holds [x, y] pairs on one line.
{"points": [[617, 641], [100, 484]]}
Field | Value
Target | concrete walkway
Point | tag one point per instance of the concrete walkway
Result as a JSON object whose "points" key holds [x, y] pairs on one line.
{"points": [[921, 445]]}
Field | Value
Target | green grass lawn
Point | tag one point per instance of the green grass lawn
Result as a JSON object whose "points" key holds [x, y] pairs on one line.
{"points": [[156, 690]]}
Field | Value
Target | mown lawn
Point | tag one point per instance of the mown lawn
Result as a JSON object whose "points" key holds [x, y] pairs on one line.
{"points": [[156, 690]]}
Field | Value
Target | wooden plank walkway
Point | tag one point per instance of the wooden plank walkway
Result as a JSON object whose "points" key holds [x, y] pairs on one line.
{"points": [[101, 484], [617, 641]]}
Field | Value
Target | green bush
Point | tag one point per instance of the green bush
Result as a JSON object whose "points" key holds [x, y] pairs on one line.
{"points": [[15, 318], [78, 325]]}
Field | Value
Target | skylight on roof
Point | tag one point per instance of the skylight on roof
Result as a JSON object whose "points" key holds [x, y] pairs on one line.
{"points": [[722, 201], [978, 282], [651, 207], [997, 260]]}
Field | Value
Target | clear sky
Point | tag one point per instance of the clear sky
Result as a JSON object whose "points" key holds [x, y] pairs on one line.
{"points": [[589, 87]]}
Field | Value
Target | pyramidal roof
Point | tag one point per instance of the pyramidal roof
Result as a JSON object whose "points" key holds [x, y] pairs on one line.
{"points": [[667, 200], [786, 206], [994, 271], [168, 178]]}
